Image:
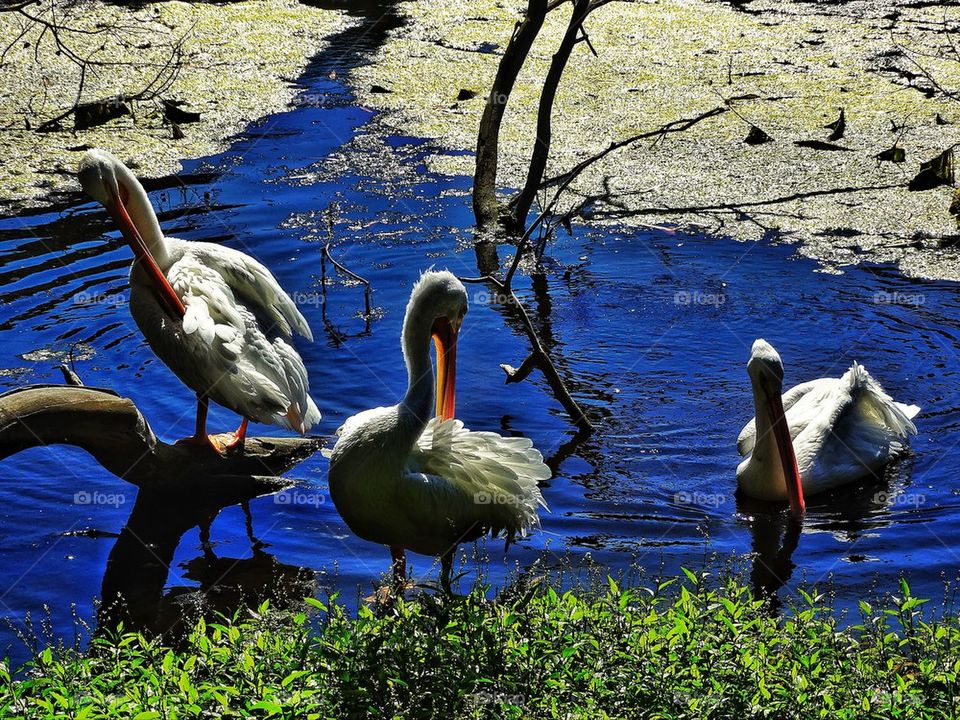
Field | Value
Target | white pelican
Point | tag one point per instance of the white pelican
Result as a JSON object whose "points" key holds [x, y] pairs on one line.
{"points": [[215, 316], [819, 435], [403, 479]]}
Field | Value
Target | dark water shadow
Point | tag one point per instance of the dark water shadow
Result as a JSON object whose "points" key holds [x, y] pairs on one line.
{"points": [[140, 565], [851, 512]]}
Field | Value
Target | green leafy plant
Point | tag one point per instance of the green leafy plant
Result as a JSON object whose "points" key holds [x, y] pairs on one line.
{"points": [[678, 649]]}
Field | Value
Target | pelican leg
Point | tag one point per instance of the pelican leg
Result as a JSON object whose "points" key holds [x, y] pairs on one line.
{"points": [[446, 567], [219, 443], [204, 526], [256, 544], [202, 406], [399, 556], [232, 441], [200, 436]]}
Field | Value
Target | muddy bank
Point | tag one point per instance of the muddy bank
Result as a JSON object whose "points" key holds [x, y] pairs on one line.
{"points": [[792, 66], [219, 66]]}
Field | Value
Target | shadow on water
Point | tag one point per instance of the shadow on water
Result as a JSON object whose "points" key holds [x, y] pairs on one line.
{"points": [[135, 584], [850, 513]]}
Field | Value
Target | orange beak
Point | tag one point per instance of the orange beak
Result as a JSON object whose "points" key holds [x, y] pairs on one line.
{"points": [[788, 459], [168, 296], [444, 335]]}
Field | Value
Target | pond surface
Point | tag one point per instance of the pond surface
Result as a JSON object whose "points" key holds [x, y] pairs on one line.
{"points": [[651, 327]]}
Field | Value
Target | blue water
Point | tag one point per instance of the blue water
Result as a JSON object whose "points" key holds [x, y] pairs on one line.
{"points": [[651, 327]]}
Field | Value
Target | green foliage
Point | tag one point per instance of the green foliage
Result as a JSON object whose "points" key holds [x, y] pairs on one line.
{"points": [[676, 650]]}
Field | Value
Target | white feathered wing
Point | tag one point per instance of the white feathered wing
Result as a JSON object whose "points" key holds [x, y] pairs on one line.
{"points": [[842, 428], [235, 336]]}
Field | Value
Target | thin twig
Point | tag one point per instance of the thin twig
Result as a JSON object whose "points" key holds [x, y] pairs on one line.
{"points": [[54, 25], [673, 126], [538, 357], [738, 206], [349, 273]]}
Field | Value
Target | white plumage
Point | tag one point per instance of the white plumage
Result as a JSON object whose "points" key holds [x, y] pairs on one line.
{"points": [[214, 315], [488, 469], [403, 479], [237, 332], [841, 429]]}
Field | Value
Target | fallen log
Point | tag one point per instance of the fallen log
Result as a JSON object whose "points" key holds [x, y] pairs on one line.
{"points": [[119, 438]]}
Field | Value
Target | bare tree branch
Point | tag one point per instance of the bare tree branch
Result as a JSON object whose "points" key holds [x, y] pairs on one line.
{"points": [[50, 20], [490, 212], [520, 207], [486, 207], [670, 127]]}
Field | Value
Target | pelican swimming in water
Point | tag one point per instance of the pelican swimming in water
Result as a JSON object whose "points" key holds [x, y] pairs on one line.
{"points": [[403, 479], [215, 316], [818, 435]]}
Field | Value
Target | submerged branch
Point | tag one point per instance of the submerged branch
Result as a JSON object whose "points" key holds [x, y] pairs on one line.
{"points": [[490, 212], [346, 271], [539, 357]]}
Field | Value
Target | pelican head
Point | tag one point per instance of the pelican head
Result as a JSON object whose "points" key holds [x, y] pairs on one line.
{"points": [[98, 176], [766, 374], [108, 181], [765, 366], [437, 305], [111, 183]]}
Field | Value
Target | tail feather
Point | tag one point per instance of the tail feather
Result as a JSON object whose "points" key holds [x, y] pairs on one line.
{"points": [[909, 410], [299, 419], [896, 416], [302, 412], [505, 472]]}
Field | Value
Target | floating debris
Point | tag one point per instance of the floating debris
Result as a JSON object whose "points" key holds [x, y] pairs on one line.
{"points": [[892, 154], [756, 136], [955, 203], [80, 351], [14, 372], [90, 114], [935, 172], [838, 126], [173, 113]]}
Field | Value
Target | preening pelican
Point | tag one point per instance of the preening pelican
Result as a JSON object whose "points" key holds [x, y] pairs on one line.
{"points": [[817, 436], [215, 316], [403, 479]]}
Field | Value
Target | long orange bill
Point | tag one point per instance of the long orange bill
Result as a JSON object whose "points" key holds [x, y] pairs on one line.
{"points": [[445, 341], [788, 459], [143, 256]]}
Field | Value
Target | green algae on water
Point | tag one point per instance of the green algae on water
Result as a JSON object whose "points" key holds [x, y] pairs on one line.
{"points": [[235, 66], [787, 68]]}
